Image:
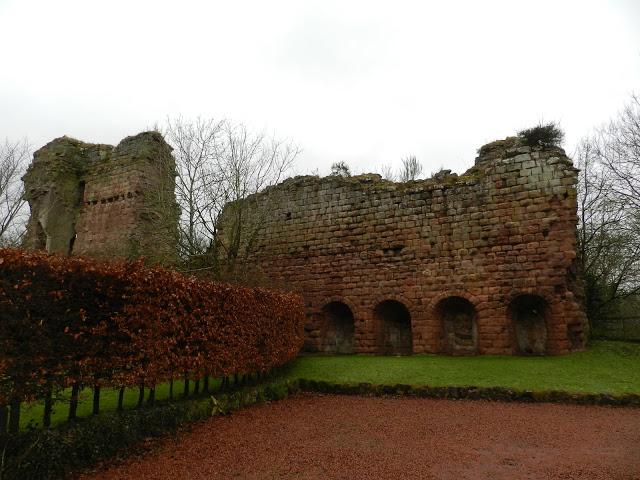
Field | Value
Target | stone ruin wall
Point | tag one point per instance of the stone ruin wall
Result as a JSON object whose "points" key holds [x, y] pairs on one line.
{"points": [[482, 263], [104, 201]]}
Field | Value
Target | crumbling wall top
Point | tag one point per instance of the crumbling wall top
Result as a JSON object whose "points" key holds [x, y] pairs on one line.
{"points": [[511, 147], [488, 155]]}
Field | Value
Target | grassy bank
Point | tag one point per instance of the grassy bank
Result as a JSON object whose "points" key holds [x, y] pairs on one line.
{"points": [[606, 367]]}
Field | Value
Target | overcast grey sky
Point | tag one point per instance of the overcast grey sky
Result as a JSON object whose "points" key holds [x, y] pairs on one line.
{"points": [[361, 81]]}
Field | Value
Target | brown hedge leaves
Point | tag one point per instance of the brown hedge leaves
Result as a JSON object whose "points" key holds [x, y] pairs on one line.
{"points": [[67, 320]]}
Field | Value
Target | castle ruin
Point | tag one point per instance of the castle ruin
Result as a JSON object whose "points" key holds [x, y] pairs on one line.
{"points": [[104, 201], [481, 263]]}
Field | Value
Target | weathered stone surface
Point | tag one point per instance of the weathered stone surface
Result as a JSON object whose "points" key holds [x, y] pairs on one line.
{"points": [[103, 201], [458, 252], [459, 325]]}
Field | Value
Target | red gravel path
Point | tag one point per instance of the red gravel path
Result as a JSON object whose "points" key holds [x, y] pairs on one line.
{"points": [[340, 437]]}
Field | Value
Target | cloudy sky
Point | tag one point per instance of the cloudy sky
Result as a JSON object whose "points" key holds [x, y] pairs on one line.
{"points": [[364, 82]]}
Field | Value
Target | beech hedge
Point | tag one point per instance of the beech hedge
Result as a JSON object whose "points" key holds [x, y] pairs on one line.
{"points": [[68, 321]]}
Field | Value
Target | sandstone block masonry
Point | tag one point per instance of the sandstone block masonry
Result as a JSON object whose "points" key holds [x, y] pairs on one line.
{"points": [[104, 201], [482, 263]]}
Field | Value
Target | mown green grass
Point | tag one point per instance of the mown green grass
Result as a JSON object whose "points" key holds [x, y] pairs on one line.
{"points": [[606, 367], [31, 414]]}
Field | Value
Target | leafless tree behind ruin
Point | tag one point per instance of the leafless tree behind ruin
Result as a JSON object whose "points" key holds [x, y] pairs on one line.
{"points": [[609, 211], [618, 147], [386, 171], [221, 163], [411, 169], [196, 144], [14, 156]]}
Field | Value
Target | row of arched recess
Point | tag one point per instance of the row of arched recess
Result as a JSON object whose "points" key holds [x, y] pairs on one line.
{"points": [[458, 317]]}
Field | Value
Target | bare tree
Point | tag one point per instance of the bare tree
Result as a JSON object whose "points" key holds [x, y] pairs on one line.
{"points": [[411, 169], [196, 148], [219, 165], [387, 172], [618, 148], [609, 215], [14, 157], [247, 164]]}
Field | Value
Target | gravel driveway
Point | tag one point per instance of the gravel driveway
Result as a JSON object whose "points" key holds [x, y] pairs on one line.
{"points": [[314, 436]]}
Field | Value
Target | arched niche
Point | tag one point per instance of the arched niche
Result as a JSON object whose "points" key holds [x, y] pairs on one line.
{"points": [[394, 328], [458, 325], [338, 328], [529, 316]]}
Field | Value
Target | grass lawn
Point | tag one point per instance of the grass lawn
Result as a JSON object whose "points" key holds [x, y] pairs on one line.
{"points": [[31, 414], [606, 367]]}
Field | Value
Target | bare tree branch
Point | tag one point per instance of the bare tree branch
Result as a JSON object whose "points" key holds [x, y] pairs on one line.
{"points": [[14, 157], [609, 215], [221, 163], [411, 169]]}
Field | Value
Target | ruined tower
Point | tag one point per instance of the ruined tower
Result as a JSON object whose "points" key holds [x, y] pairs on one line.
{"points": [[104, 201], [481, 263]]}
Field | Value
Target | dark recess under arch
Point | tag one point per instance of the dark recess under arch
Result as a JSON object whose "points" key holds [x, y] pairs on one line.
{"points": [[394, 327], [459, 331], [339, 328], [529, 315]]}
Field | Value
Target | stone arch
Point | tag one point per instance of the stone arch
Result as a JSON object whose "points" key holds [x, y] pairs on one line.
{"points": [[393, 322], [529, 313], [459, 330], [436, 324], [338, 327]]}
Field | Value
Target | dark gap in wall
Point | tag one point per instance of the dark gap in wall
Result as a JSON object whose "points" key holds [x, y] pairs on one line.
{"points": [[81, 187], [459, 332], [529, 314], [41, 237], [71, 243], [394, 328], [395, 249], [339, 328]]}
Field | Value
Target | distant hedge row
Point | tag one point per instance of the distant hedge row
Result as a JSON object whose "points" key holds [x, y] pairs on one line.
{"points": [[71, 321]]}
